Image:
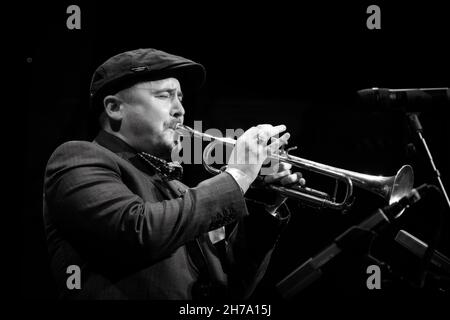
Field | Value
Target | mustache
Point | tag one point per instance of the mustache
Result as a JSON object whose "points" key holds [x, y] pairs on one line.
{"points": [[173, 124]]}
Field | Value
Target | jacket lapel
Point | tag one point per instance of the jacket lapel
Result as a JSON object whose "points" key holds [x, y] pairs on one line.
{"points": [[125, 151], [153, 175]]}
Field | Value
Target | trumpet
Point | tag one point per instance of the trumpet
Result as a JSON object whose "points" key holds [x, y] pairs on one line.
{"points": [[392, 188]]}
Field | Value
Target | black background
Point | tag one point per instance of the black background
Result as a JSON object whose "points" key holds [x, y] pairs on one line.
{"points": [[266, 63]]}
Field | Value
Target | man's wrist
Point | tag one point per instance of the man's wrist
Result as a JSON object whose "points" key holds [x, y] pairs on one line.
{"points": [[243, 180]]}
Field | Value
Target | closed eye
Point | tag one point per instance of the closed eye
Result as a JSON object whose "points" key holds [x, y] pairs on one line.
{"points": [[163, 95], [169, 94]]}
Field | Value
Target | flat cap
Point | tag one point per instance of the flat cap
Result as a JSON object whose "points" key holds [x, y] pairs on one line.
{"points": [[128, 68]]}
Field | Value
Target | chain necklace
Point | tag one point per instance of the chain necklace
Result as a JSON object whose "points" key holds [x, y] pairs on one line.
{"points": [[168, 170]]}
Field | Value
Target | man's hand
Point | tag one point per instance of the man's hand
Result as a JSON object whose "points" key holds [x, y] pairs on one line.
{"points": [[250, 152], [251, 149], [285, 177]]}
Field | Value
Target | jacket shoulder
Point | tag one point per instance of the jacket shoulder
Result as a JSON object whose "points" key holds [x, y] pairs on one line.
{"points": [[78, 149], [74, 154]]}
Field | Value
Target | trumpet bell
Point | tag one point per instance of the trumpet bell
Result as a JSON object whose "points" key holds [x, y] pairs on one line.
{"points": [[402, 184]]}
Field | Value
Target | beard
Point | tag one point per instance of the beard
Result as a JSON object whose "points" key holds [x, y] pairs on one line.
{"points": [[167, 144]]}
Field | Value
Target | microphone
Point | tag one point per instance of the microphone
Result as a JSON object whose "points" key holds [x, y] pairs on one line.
{"points": [[310, 271], [410, 100]]}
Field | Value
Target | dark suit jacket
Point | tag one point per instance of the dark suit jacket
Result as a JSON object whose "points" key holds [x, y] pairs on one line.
{"points": [[110, 214]]}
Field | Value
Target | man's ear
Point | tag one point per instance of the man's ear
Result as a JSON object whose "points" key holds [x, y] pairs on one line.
{"points": [[113, 107]]}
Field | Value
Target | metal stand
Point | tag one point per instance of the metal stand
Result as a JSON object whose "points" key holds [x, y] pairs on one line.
{"points": [[417, 127], [357, 238]]}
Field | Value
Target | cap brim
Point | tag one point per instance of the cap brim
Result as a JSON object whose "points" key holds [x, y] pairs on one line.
{"points": [[190, 75]]}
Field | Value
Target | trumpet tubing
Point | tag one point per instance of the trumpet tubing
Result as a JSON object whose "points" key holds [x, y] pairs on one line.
{"points": [[391, 188]]}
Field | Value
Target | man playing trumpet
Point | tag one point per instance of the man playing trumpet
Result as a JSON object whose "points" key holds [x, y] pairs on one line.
{"points": [[115, 207]]}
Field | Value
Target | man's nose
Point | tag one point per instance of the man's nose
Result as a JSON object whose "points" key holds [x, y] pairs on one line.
{"points": [[177, 108]]}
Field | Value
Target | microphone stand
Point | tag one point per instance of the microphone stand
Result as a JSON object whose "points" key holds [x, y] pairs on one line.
{"points": [[418, 129], [356, 238]]}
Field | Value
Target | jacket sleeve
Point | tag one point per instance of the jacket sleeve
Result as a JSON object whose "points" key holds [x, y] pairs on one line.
{"points": [[88, 200]]}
